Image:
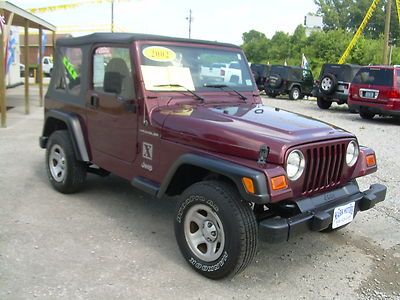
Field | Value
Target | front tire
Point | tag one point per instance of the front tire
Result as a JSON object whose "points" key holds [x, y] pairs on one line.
{"points": [[65, 172], [216, 231]]}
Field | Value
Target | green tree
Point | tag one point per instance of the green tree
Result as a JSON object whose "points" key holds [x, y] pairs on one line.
{"points": [[348, 15], [255, 45]]}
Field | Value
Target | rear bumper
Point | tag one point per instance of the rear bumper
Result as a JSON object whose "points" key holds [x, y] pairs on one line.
{"points": [[277, 91], [334, 97], [379, 110], [317, 212]]}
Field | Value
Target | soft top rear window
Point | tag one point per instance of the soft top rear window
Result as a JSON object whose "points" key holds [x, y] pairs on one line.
{"points": [[374, 76], [341, 72], [281, 70], [260, 69]]}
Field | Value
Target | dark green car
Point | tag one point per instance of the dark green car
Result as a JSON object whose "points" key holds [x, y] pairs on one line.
{"points": [[289, 80]]}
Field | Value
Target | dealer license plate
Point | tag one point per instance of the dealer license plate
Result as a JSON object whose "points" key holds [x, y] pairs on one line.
{"points": [[370, 95], [342, 215]]}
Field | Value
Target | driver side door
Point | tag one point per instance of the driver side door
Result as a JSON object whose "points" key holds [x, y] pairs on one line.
{"points": [[111, 113]]}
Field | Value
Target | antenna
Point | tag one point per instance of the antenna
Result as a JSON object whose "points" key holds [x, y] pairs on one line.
{"points": [[112, 16], [190, 19]]}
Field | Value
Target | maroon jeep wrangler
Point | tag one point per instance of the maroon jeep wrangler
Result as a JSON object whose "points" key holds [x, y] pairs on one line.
{"points": [[151, 109]]}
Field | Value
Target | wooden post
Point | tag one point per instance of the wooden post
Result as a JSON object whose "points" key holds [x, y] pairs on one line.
{"points": [[53, 42], [40, 69], [3, 105], [26, 62], [385, 51]]}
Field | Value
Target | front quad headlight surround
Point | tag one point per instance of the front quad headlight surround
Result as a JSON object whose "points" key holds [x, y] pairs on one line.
{"points": [[295, 164], [352, 153]]}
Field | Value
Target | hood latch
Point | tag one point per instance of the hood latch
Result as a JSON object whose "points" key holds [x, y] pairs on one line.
{"points": [[263, 155]]}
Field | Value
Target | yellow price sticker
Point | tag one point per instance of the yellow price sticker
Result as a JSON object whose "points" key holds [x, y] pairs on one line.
{"points": [[158, 53]]}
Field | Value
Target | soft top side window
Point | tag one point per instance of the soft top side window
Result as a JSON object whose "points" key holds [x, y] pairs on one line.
{"points": [[71, 61], [112, 71]]}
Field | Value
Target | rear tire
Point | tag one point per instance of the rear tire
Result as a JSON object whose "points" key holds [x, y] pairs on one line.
{"points": [[322, 104], [366, 115], [65, 172], [215, 230]]}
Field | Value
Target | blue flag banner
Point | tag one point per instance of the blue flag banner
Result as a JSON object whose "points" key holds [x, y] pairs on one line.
{"points": [[44, 41]]}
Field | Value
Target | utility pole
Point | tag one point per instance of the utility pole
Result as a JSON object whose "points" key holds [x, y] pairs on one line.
{"points": [[386, 33], [190, 19], [112, 16]]}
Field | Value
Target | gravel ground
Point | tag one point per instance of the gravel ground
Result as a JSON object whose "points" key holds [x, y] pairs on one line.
{"points": [[112, 241]]}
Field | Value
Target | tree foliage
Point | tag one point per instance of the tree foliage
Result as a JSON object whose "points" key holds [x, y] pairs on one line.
{"points": [[348, 15], [319, 48]]}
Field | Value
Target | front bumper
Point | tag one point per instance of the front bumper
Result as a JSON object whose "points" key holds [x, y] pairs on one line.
{"points": [[316, 213]]}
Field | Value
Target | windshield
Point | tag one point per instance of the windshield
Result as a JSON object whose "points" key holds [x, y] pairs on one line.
{"points": [[164, 68]]}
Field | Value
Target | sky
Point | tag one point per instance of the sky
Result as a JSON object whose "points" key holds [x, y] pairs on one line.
{"points": [[223, 20]]}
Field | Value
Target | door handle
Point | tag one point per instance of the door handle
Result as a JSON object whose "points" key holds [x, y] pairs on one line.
{"points": [[94, 101]]}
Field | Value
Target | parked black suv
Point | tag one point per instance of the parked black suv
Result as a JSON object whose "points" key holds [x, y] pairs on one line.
{"points": [[294, 81], [260, 73], [333, 84]]}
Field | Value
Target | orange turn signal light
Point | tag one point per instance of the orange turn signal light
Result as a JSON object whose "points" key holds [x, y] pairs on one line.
{"points": [[279, 183], [371, 160], [248, 185]]}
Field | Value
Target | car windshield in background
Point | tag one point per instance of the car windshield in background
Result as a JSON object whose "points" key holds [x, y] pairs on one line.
{"points": [[164, 68], [374, 76]]}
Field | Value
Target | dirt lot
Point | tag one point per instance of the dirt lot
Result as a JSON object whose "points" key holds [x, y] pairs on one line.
{"points": [[112, 241]]}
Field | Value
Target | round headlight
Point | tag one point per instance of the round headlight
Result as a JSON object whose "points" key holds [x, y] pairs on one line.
{"points": [[352, 153], [295, 164]]}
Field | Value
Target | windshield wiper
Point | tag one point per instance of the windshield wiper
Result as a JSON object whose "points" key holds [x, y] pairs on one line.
{"points": [[196, 96], [223, 86]]}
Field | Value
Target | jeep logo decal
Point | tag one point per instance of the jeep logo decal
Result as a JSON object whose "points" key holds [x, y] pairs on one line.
{"points": [[147, 151]]}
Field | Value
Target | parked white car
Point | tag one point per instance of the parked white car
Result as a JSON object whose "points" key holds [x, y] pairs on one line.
{"points": [[214, 72], [47, 64], [232, 73]]}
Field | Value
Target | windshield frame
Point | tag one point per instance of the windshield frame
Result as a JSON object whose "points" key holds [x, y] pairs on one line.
{"points": [[140, 45]]}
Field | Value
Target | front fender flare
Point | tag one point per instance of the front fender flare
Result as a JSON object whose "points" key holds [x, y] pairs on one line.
{"points": [[233, 171]]}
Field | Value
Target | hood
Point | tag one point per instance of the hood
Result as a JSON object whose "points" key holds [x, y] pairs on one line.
{"points": [[241, 129]]}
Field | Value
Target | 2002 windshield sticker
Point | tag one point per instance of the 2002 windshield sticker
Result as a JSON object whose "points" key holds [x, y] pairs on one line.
{"points": [[157, 53], [70, 68]]}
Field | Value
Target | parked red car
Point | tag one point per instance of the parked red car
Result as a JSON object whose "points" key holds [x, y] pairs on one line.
{"points": [[375, 90]]}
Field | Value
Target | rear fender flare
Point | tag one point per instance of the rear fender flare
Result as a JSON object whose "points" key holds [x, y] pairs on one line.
{"points": [[74, 128]]}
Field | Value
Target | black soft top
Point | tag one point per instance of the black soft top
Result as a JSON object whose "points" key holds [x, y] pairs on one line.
{"points": [[127, 38]]}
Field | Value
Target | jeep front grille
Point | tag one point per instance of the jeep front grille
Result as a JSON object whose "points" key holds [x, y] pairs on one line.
{"points": [[324, 166]]}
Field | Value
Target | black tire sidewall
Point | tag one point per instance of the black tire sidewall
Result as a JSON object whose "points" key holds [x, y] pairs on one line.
{"points": [[366, 115], [228, 260], [323, 104], [73, 168]]}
